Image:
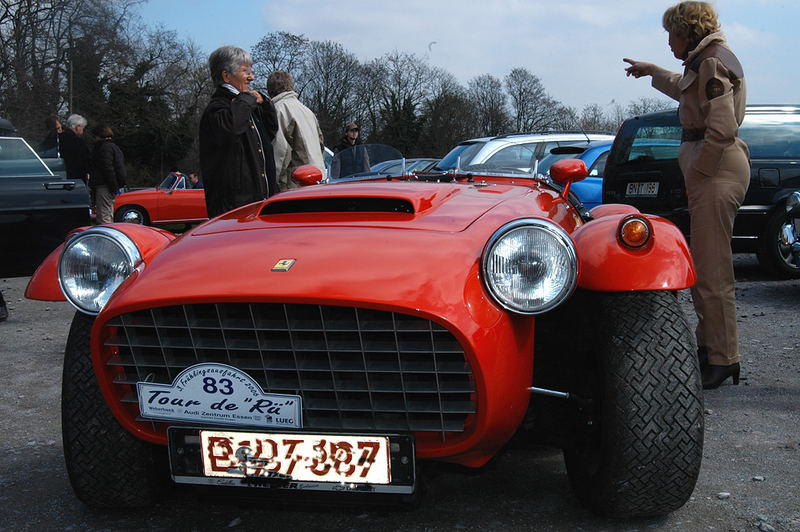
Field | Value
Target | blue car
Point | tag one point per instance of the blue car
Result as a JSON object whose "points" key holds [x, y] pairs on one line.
{"points": [[594, 154]]}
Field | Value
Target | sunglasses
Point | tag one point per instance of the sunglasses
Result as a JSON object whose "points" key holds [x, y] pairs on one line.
{"points": [[353, 129]]}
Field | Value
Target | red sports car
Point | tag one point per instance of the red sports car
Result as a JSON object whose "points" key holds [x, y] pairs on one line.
{"points": [[173, 201], [332, 336]]}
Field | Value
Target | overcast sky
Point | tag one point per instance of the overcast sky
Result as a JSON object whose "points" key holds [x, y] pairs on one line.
{"points": [[574, 46]]}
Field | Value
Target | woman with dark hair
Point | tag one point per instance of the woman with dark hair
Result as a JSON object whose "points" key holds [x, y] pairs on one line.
{"points": [[108, 173], [716, 167]]}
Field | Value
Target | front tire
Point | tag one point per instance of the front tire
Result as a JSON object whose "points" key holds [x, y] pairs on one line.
{"points": [[641, 451], [107, 466], [773, 256]]}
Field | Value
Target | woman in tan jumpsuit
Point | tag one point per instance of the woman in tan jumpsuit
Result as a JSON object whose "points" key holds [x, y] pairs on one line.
{"points": [[716, 168]]}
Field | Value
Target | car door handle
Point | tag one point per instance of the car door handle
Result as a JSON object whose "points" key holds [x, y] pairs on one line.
{"points": [[60, 185]]}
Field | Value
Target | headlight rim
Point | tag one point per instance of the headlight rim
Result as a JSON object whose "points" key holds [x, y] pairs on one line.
{"points": [[560, 236], [119, 238]]}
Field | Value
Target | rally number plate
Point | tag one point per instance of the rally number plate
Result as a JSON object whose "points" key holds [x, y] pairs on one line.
{"points": [[647, 189], [293, 460]]}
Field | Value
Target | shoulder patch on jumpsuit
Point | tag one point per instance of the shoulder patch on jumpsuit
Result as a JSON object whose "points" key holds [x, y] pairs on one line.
{"points": [[714, 89]]}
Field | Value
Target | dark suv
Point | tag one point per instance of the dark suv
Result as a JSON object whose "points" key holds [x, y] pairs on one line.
{"points": [[642, 170]]}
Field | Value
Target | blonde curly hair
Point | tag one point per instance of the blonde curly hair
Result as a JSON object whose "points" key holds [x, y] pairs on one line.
{"points": [[691, 21]]}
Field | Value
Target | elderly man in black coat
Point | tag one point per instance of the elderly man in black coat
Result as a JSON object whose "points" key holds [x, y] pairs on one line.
{"points": [[74, 150], [236, 133]]}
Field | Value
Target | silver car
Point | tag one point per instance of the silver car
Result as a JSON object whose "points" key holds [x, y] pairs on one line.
{"points": [[518, 151]]}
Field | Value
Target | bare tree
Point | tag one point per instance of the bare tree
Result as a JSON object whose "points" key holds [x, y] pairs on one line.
{"points": [[447, 116], [333, 74], [400, 82], [281, 50], [489, 102], [533, 108], [593, 118], [649, 105], [56, 54]]}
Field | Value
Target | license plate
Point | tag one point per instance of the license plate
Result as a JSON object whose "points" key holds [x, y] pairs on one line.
{"points": [[648, 189], [302, 461], [301, 457]]}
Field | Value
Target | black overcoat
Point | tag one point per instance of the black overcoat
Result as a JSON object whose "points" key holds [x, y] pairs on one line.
{"points": [[236, 159], [76, 155]]}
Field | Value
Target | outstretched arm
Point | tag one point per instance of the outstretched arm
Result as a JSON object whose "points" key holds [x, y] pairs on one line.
{"points": [[639, 68]]}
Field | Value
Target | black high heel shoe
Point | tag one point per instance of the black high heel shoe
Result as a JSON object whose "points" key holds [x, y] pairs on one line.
{"points": [[714, 375]]}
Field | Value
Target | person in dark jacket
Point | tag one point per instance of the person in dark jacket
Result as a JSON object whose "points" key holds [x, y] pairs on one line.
{"points": [[236, 133], [108, 173], [49, 146], [348, 160], [74, 150]]}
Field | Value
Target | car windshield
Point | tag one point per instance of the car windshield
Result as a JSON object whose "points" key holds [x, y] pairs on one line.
{"points": [[171, 179], [17, 159], [466, 151]]}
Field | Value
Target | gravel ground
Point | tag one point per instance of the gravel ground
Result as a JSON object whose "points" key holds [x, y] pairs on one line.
{"points": [[748, 481]]}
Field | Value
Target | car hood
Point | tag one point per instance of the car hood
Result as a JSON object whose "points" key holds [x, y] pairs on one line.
{"points": [[421, 206], [333, 243]]}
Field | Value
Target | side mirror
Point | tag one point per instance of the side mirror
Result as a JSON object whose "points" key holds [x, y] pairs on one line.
{"points": [[568, 171], [307, 175]]}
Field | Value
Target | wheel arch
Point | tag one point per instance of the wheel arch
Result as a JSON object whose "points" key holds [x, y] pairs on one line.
{"points": [[121, 208], [664, 263], [44, 285]]}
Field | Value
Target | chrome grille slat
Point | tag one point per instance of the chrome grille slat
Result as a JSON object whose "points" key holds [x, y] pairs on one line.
{"points": [[356, 369]]}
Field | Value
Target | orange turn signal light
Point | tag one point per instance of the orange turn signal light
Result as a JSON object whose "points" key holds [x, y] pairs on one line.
{"points": [[634, 231]]}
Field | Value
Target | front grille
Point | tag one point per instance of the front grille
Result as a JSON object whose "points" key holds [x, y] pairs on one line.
{"points": [[355, 369]]}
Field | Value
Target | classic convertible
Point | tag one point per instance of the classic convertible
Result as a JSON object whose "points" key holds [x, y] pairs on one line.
{"points": [[334, 335], [172, 201]]}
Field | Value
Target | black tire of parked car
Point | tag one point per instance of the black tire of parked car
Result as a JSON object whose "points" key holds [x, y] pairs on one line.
{"points": [[640, 451], [772, 255], [107, 466], [132, 214]]}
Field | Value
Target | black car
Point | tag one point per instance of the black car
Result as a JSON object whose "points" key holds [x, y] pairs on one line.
{"points": [[642, 170], [37, 207]]}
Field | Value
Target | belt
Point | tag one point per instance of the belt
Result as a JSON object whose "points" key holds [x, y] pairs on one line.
{"points": [[692, 135]]}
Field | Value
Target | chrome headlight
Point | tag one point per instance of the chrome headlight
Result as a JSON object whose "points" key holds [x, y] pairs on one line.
{"points": [[530, 266], [93, 264]]}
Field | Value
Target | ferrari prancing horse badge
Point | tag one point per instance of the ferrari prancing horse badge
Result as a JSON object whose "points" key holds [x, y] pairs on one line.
{"points": [[283, 265]]}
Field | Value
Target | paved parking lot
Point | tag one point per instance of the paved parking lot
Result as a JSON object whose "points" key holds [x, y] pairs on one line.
{"points": [[748, 480]]}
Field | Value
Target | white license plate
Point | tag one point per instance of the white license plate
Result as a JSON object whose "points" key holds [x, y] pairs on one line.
{"points": [[647, 189], [301, 457]]}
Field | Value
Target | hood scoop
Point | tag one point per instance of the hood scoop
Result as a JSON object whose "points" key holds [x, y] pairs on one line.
{"points": [[337, 204]]}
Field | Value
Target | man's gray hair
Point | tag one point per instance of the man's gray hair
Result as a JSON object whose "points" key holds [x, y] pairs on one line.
{"points": [[227, 58], [76, 120]]}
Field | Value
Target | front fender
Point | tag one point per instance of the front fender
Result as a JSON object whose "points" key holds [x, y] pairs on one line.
{"points": [[44, 281], [664, 263]]}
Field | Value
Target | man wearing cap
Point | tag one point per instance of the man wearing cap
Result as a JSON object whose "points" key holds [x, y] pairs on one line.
{"points": [[347, 159], [350, 138]]}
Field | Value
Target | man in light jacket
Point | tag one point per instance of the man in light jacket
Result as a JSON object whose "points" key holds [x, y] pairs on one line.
{"points": [[299, 140]]}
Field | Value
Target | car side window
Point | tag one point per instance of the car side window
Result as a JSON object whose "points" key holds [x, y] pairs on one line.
{"points": [[17, 159], [518, 155], [772, 136], [599, 166]]}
